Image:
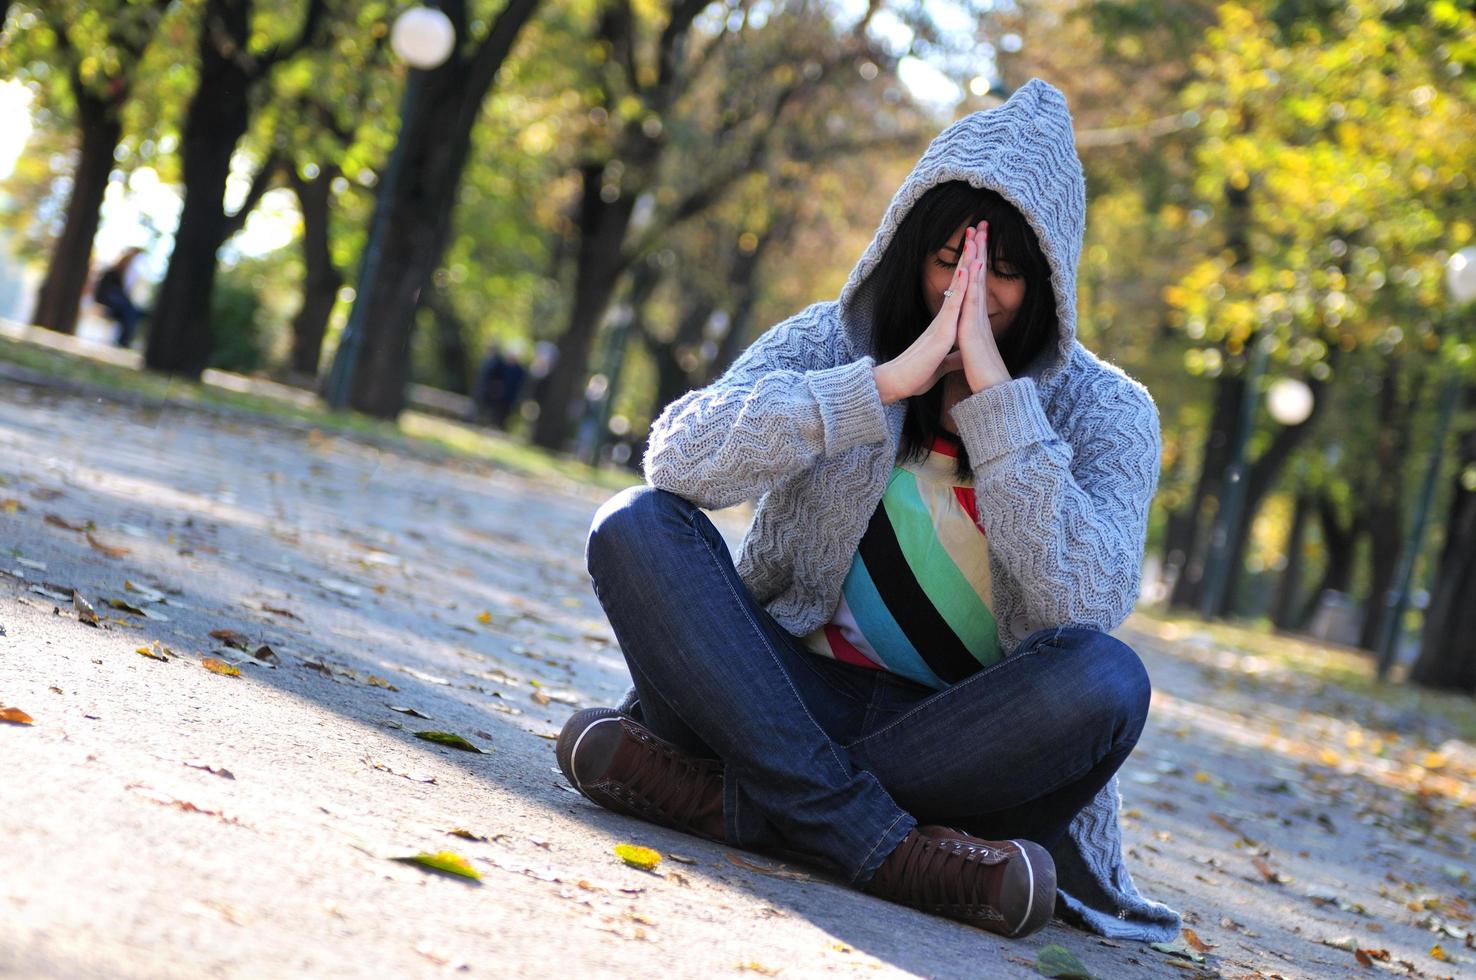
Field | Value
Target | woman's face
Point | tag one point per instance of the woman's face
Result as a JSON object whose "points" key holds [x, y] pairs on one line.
{"points": [[1004, 294]]}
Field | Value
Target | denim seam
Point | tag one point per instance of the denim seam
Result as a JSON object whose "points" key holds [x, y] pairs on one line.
{"points": [[885, 834], [758, 630], [986, 672]]}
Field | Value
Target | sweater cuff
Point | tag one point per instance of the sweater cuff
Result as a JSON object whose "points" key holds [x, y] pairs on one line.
{"points": [[1001, 419], [850, 405]]}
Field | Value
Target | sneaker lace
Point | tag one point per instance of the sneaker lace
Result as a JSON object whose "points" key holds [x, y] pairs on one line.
{"points": [[672, 783]]}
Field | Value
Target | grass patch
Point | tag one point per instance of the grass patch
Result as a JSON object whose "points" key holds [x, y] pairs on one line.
{"points": [[414, 428], [1350, 670]]}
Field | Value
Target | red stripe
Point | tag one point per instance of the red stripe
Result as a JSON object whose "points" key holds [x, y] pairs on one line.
{"points": [[844, 651], [965, 497], [945, 446]]}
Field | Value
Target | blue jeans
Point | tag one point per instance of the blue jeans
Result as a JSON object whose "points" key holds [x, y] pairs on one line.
{"points": [[836, 761]]}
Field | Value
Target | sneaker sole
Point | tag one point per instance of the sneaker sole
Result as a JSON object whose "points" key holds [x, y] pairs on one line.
{"points": [[1030, 885]]}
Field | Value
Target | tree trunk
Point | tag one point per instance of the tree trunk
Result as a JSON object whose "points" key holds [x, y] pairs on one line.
{"points": [[435, 142], [1448, 648], [1284, 612], [1384, 501], [602, 229], [180, 338], [321, 280], [1224, 420], [60, 298], [1340, 542], [1260, 476]]}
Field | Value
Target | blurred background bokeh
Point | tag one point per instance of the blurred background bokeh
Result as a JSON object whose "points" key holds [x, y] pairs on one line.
{"points": [[551, 217]]}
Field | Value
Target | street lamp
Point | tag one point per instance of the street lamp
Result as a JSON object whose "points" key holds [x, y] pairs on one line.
{"points": [[424, 38], [1460, 282]]}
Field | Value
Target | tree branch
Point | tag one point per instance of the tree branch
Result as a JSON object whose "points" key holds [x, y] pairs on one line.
{"points": [[261, 182], [278, 53]]}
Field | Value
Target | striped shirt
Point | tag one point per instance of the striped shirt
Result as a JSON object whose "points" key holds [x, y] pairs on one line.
{"points": [[916, 600]]}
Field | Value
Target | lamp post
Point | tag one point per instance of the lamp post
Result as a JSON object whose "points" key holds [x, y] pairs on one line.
{"points": [[1460, 281], [423, 37], [1290, 403]]}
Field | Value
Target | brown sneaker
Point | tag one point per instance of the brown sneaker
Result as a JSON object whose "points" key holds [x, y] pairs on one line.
{"points": [[618, 763], [1007, 887]]}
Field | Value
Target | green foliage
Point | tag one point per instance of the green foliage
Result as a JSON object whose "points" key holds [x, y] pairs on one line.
{"points": [[235, 311]]}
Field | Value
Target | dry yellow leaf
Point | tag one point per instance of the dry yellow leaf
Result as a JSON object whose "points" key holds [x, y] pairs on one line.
{"points": [[154, 653], [381, 682], [15, 716], [220, 667], [1438, 952], [638, 857], [1433, 760], [485, 618], [11, 505], [107, 549]]}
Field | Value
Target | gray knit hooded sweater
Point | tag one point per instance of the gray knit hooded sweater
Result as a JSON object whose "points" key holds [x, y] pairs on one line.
{"points": [[1065, 458]]}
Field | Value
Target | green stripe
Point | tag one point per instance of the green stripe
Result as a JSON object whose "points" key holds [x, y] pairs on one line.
{"points": [[960, 605]]}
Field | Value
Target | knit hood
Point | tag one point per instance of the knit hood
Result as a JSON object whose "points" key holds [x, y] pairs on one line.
{"points": [[1023, 150]]}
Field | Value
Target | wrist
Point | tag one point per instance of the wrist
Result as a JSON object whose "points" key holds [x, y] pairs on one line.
{"points": [[883, 383]]}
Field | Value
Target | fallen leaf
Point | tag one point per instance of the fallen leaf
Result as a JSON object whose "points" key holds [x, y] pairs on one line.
{"points": [[540, 698], [279, 611], [220, 667], [772, 870], [11, 505], [636, 856], [155, 652], [57, 521], [1058, 961], [407, 711], [124, 606], [106, 549], [1271, 875], [682, 859], [85, 613], [1438, 952], [231, 638], [1199, 945], [266, 655], [446, 862], [449, 740], [465, 834], [754, 966], [381, 682], [485, 618], [1183, 952], [220, 771], [15, 716]]}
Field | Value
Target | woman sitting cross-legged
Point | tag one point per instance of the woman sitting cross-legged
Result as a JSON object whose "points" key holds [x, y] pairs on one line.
{"points": [[907, 675]]}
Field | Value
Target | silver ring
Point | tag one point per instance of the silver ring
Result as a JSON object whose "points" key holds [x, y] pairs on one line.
{"points": [[947, 292]]}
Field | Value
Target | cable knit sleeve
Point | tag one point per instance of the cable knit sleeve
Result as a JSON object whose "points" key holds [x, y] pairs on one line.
{"points": [[782, 405], [1068, 522]]}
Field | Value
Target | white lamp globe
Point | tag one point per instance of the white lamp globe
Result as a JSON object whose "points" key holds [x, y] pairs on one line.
{"points": [[423, 37], [1460, 275], [1289, 400]]}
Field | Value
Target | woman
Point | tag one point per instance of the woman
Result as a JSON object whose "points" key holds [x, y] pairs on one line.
{"points": [[111, 290], [908, 674]]}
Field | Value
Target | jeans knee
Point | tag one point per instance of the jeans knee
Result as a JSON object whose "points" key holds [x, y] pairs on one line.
{"points": [[626, 519], [1128, 680], [1120, 689]]}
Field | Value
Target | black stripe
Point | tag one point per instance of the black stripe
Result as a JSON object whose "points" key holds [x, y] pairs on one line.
{"points": [[924, 626]]}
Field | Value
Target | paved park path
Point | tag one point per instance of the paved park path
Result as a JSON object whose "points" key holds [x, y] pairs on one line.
{"points": [[158, 819]]}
